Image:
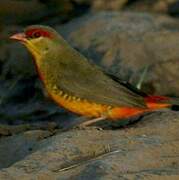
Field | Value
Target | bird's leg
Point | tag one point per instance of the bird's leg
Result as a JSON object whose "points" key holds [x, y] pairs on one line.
{"points": [[85, 125], [91, 121]]}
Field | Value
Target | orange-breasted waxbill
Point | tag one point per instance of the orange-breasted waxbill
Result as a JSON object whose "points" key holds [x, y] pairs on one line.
{"points": [[80, 86]]}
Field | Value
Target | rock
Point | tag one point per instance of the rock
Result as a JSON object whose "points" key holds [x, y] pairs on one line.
{"points": [[14, 57], [173, 9], [108, 5], [159, 6], [48, 12], [155, 6], [15, 148], [148, 149], [126, 43], [6, 130], [28, 129], [55, 11], [19, 61], [21, 11]]}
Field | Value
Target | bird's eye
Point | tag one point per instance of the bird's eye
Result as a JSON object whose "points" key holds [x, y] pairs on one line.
{"points": [[36, 34]]}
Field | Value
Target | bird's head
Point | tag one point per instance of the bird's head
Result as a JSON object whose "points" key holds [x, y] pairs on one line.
{"points": [[40, 40]]}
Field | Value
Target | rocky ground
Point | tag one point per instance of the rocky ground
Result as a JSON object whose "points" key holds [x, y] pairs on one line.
{"points": [[146, 150], [118, 36]]}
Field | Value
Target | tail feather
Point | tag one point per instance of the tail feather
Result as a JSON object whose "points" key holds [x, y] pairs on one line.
{"points": [[157, 102]]}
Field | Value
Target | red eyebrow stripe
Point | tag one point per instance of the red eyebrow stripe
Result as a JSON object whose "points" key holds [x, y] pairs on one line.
{"points": [[43, 33]]}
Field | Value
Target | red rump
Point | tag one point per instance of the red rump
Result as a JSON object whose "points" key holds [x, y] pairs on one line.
{"points": [[156, 99], [35, 33], [157, 102]]}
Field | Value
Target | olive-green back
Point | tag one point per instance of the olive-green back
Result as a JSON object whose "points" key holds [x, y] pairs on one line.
{"points": [[71, 72]]}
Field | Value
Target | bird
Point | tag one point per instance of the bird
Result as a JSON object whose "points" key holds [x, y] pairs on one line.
{"points": [[80, 86]]}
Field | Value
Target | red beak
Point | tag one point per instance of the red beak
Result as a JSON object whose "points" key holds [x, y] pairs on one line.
{"points": [[19, 37]]}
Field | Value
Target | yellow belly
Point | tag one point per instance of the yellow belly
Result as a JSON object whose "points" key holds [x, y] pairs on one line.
{"points": [[89, 109], [80, 106]]}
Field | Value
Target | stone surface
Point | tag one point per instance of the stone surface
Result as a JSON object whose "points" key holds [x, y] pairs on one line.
{"points": [[55, 11], [108, 5], [147, 149], [21, 11], [35, 11], [155, 6], [126, 43], [15, 148]]}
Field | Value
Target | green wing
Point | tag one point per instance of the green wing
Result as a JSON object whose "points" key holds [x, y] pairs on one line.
{"points": [[77, 77]]}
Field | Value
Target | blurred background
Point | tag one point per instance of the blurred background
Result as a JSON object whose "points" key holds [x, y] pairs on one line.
{"points": [[126, 37]]}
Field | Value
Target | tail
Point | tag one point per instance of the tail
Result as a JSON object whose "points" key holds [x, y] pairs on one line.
{"points": [[159, 102], [152, 102]]}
